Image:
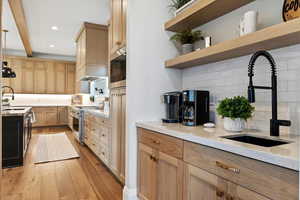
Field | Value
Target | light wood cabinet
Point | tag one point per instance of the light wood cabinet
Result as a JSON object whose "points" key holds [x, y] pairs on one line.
{"points": [[160, 174], [97, 133], [61, 78], [147, 173], [201, 185], [28, 78], [70, 78], [118, 136], [91, 52], [17, 84], [41, 76], [62, 113], [170, 168], [50, 116], [51, 78], [118, 25]]}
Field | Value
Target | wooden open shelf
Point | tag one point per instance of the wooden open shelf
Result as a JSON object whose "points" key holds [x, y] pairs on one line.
{"points": [[277, 36], [201, 12]]}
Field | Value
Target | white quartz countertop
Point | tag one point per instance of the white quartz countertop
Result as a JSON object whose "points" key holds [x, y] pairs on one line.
{"points": [[97, 113], [40, 105], [15, 111], [286, 155]]}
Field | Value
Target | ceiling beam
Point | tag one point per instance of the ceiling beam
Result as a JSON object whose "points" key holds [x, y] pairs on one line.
{"points": [[17, 10]]}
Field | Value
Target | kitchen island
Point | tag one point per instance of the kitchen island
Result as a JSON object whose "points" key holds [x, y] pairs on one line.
{"points": [[16, 135]]}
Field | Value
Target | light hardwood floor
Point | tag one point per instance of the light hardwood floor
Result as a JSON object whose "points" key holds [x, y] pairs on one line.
{"points": [[85, 178]]}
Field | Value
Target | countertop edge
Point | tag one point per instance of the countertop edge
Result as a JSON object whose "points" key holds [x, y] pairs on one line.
{"points": [[249, 153]]}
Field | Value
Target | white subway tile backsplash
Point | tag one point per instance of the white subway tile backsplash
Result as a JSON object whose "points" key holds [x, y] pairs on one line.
{"points": [[230, 78]]}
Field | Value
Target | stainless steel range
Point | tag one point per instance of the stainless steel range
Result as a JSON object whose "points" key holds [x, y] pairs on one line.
{"points": [[78, 122]]}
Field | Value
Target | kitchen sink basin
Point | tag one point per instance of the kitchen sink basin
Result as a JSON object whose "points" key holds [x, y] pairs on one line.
{"points": [[13, 109], [260, 141]]}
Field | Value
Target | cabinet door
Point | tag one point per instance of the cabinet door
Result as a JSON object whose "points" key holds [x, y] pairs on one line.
{"points": [[201, 185], [169, 178], [62, 114], [40, 78], [50, 116], [16, 83], [70, 79], [236, 192], [115, 135], [124, 21], [123, 136], [116, 24], [39, 117], [60, 70], [28, 77], [51, 79], [147, 173]]}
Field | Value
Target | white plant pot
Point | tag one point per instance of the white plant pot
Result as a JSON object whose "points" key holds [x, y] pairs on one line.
{"points": [[188, 4], [187, 48], [234, 125]]}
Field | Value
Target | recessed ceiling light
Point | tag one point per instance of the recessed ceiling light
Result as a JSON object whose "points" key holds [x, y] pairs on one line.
{"points": [[51, 45], [55, 28]]}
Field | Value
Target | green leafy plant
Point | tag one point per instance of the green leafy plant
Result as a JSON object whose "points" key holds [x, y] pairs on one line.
{"points": [[187, 36], [176, 4], [236, 107]]}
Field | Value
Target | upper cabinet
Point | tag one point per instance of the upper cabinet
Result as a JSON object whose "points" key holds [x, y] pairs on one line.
{"points": [[118, 25], [41, 76], [92, 51]]}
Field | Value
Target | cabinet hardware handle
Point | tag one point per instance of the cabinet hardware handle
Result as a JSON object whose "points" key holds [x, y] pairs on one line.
{"points": [[224, 166], [154, 158], [219, 193], [118, 43], [156, 142]]}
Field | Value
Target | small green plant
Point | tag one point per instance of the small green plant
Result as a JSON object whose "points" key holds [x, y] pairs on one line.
{"points": [[187, 36], [176, 4], [236, 107]]}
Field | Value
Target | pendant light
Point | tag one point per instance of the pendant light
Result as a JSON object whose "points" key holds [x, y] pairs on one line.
{"points": [[7, 72]]}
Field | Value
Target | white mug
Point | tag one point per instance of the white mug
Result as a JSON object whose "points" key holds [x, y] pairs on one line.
{"points": [[248, 23]]}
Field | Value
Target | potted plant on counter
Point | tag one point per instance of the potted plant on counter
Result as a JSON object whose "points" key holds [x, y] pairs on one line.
{"points": [[235, 112], [187, 38], [179, 5]]}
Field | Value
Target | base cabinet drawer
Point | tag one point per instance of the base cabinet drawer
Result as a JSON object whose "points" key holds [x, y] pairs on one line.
{"points": [[269, 180], [202, 185]]}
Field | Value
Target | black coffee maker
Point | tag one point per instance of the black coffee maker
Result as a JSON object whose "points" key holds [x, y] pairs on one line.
{"points": [[195, 107], [173, 104]]}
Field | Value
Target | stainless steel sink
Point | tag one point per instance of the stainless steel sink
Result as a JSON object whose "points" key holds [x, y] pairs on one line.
{"points": [[13, 109], [256, 140]]}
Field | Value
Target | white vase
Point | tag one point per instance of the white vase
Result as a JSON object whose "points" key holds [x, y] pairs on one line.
{"points": [[234, 125], [187, 48]]}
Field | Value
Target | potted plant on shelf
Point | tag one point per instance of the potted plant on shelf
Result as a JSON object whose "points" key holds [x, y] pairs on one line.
{"points": [[187, 38], [235, 112], [179, 5]]}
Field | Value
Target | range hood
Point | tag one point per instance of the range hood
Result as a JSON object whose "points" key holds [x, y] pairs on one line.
{"points": [[93, 73]]}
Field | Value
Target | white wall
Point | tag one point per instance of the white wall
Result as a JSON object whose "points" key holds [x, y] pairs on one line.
{"points": [[148, 47], [229, 78]]}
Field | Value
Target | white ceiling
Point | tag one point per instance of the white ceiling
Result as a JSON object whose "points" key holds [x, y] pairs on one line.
{"points": [[67, 15]]}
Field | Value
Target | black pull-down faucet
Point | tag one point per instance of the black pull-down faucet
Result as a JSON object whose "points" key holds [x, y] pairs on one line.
{"points": [[274, 122]]}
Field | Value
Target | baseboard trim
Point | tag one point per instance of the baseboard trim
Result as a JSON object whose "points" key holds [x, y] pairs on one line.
{"points": [[130, 194]]}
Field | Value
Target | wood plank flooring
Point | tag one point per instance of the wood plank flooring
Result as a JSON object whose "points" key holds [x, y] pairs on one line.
{"points": [[85, 178]]}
